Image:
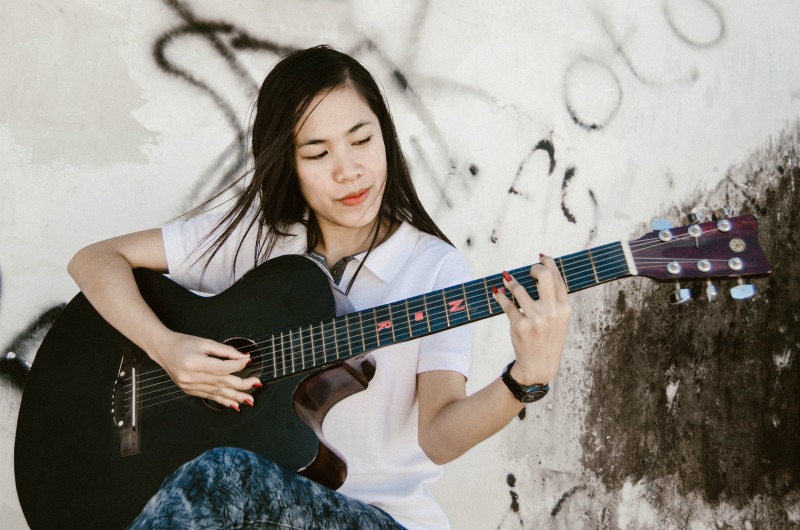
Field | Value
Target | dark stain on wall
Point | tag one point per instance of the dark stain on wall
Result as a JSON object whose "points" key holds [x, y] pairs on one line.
{"points": [[707, 395]]}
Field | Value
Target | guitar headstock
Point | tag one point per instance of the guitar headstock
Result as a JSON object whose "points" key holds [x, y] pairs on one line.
{"points": [[726, 247]]}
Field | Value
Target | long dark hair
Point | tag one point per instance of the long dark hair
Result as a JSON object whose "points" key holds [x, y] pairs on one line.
{"points": [[274, 188]]}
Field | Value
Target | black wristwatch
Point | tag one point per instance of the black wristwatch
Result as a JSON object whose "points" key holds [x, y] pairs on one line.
{"points": [[525, 394]]}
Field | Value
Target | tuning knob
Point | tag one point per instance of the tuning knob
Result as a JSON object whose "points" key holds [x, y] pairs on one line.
{"points": [[743, 291], [680, 295], [711, 292], [693, 218], [720, 213]]}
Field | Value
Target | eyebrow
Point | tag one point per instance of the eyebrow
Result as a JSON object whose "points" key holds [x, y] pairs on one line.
{"points": [[352, 129]]}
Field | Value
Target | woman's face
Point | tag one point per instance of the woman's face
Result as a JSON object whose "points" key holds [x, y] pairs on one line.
{"points": [[341, 161]]}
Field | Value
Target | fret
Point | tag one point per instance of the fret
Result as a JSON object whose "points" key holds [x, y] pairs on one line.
{"points": [[335, 338], [427, 312], [274, 357], [466, 300], [455, 306], [579, 276], [369, 329], [292, 350], [594, 269], [313, 348], [383, 325], [401, 321], [283, 355], [562, 270], [611, 262], [361, 332], [347, 335], [329, 341], [437, 311], [389, 308], [417, 316]]}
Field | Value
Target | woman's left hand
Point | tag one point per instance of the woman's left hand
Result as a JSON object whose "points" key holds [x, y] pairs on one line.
{"points": [[538, 327]]}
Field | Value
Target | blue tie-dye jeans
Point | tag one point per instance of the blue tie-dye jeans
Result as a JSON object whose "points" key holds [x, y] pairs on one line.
{"points": [[228, 488]]}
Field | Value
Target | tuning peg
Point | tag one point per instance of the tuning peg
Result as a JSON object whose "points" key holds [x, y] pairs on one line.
{"points": [[743, 291], [660, 224], [693, 218], [680, 295], [711, 291], [720, 213]]}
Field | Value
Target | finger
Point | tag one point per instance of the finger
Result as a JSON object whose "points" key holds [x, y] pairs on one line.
{"points": [[223, 351], [559, 285], [508, 307], [545, 283], [524, 300]]}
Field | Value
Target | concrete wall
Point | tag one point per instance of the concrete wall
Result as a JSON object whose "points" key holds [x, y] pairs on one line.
{"points": [[531, 126]]}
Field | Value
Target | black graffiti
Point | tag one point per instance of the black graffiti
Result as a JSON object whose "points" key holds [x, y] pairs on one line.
{"points": [[568, 174], [620, 50], [681, 34], [25, 344], [564, 496]]}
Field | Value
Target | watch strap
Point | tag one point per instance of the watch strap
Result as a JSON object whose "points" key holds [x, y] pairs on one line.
{"points": [[524, 394]]}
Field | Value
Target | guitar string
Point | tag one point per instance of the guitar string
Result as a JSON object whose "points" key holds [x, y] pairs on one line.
{"points": [[436, 316]]}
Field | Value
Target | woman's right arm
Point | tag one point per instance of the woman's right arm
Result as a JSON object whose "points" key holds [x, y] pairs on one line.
{"points": [[200, 367]]}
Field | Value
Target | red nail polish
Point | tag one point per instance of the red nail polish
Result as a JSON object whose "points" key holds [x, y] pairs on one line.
{"points": [[494, 289], [235, 407], [257, 384], [249, 402], [249, 362], [541, 255], [507, 277]]}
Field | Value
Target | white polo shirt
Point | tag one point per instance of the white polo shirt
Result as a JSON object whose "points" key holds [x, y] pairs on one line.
{"points": [[375, 430]]}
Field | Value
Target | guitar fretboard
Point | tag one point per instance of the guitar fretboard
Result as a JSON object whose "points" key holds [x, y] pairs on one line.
{"points": [[331, 341]]}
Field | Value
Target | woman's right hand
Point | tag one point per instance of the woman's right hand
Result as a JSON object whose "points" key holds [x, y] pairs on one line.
{"points": [[204, 368]]}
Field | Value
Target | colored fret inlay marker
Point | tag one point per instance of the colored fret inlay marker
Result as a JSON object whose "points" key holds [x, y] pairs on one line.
{"points": [[419, 316], [456, 305], [384, 325]]}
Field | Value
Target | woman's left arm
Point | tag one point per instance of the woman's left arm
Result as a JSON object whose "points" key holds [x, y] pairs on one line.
{"points": [[450, 422]]}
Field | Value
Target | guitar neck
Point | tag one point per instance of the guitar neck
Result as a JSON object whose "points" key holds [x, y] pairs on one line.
{"points": [[319, 344]]}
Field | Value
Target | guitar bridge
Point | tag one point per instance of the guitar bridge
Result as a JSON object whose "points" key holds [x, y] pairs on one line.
{"points": [[126, 401]]}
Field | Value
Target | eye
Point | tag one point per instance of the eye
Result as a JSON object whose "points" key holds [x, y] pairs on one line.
{"points": [[316, 157], [364, 141]]}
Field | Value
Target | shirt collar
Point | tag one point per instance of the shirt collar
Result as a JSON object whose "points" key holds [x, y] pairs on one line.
{"points": [[387, 259]]}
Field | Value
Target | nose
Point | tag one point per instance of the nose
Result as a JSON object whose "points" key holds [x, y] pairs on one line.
{"points": [[348, 166]]}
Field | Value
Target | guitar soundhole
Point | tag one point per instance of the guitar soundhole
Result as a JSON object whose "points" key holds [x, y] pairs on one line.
{"points": [[253, 370]]}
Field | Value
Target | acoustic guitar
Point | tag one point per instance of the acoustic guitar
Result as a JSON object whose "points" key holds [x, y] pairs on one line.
{"points": [[101, 425]]}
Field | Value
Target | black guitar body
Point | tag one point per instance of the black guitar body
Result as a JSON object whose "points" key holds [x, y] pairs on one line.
{"points": [[70, 472]]}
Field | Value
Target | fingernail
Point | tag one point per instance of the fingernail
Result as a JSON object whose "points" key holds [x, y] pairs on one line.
{"points": [[249, 362], [257, 384], [494, 289], [235, 407], [541, 255], [249, 402], [507, 277]]}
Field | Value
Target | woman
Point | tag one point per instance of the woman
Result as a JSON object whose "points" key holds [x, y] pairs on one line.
{"points": [[330, 182]]}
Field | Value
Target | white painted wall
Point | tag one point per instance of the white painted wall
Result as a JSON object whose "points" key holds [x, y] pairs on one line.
{"points": [[96, 140]]}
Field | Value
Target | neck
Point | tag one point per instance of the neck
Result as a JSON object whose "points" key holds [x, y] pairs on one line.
{"points": [[338, 242]]}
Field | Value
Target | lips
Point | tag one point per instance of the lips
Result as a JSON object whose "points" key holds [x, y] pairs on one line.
{"points": [[355, 198]]}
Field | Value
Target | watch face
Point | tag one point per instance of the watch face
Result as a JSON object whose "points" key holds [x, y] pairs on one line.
{"points": [[534, 395]]}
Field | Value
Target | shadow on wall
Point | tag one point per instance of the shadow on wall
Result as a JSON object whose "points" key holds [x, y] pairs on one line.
{"points": [[706, 396]]}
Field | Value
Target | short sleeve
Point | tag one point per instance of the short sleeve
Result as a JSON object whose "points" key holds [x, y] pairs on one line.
{"points": [[186, 243], [451, 349]]}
